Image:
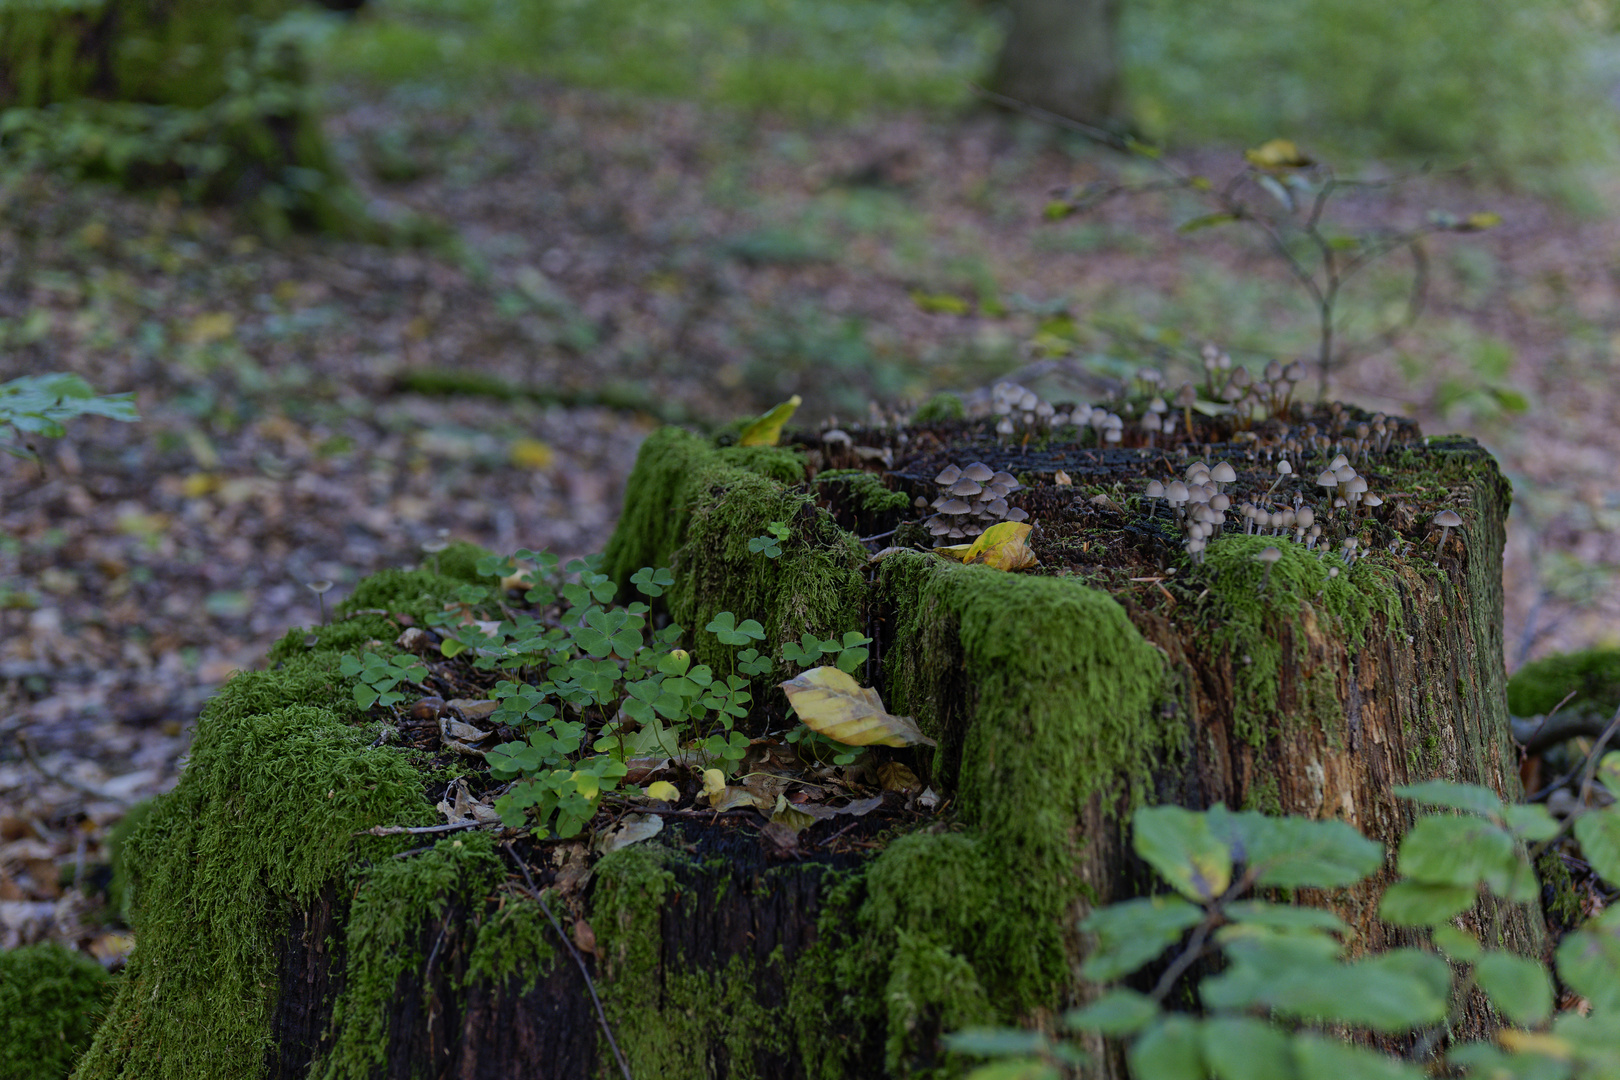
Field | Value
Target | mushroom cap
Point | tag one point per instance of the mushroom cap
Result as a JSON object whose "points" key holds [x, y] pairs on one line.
{"points": [[1042, 409], [998, 508], [997, 490], [1176, 492], [1185, 396], [965, 487], [1344, 474], [1327, 479], [1155, 490], [938, 526], [1007, 480], [1017, 513], [1447, 519], [1220, 502], [1028, 400], [1283, 468], [1305, 518], [1268, 555], [1223, 473], [1338, 461], [1370, 500], [1004, 426], [1112, 434], [1357, 485], [950, 475], [836, 435], [1151, 422], [954, 507], [979, 472], [1158, 405]]}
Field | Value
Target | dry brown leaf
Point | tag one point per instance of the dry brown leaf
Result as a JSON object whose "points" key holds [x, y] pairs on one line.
{"points": [[896, 777]]}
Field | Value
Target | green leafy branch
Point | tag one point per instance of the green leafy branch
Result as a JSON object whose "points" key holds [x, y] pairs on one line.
{"points": [[1287, 963], [38, 405]]}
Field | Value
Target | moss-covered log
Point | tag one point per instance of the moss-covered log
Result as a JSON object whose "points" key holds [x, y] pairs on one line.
{"points": [[208, 96], [274, 937]]}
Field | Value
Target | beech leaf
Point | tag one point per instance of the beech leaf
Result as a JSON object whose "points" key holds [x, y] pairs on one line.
{"points": [[1001, 547], [833, 704], [766, 430]]}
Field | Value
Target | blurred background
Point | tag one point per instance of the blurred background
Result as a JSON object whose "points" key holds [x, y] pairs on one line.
{"points": [[433, 268]]}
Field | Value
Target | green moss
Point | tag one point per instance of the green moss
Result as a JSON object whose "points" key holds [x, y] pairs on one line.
{"points": [[1264, 796], [117, 849], [670, 477], [512, 943], [939, 408], [1560, 902], [694, 508], [396, 899], [1042, 695], [675, 1016], [865, 490], [264, 816], [1250, 623], [51, 1000], [1593, 676]]}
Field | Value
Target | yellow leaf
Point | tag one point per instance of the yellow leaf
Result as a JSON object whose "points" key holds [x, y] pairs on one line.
{"points": [[199, 484], [714, 783], [792, 817], [663, 791], [1277, 154], [833, 704], [1483, 220], [1531, 1042], [768, 428], [207, 329], [531, 454], [940, 303], [1000, 547]]}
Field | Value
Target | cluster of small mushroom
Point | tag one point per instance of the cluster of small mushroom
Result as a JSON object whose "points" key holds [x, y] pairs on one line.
{"points": [[1233, 384], [1199, 502], [1346, 489], [1020, 411], [973, 499]]}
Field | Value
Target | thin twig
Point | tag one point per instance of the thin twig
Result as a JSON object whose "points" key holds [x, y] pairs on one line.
{"points": [[417, 830], [601, 1015]]}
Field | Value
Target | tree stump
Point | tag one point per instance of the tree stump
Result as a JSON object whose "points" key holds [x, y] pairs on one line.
{"points": [[1120, 672]]}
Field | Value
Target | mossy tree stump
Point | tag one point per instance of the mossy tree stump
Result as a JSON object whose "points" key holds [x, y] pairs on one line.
{"points": [[1059, 698]]}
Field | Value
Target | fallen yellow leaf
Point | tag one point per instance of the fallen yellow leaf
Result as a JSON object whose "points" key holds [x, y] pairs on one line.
{"points": [[766, 430], [531, 454], [212, 327], [833, 704], [663, 791], [1535, 1043], [1000, 547], [199, 484], [714, 783], [1277, 154]]}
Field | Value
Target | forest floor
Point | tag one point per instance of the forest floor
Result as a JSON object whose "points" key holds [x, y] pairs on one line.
{"points": [[621, 262]]}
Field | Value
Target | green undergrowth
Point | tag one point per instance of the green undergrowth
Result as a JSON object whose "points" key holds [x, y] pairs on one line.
{"points": [[1593, 676], [51, 999], [694, 507], [1245, 620], [264, 816], [396, 898]]}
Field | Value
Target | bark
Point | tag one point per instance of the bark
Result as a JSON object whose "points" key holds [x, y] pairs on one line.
{"points": [[1062, 56]]}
